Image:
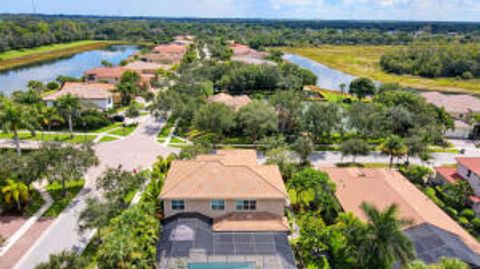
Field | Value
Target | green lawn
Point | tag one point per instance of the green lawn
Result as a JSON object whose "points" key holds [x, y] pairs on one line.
{"points": [[60, 202], [50, 137], [166, 129], [108, 128], [125, 131], [364, 60], [177, 140], [15, 58], [107, 139], [36, 202]]}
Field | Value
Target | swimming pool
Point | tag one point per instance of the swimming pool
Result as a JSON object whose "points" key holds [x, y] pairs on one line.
{"points": [[221, 265]]}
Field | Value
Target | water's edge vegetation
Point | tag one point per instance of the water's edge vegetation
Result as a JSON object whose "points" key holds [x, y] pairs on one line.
{"points": [[15, 58]]}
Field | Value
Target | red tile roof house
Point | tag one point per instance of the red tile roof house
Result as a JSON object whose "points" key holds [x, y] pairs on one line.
{"points": [[468, 168], [460, 106], [225, 207], [98, 95], [432, 231], [243, 53], [166, 54], [110, 75]]}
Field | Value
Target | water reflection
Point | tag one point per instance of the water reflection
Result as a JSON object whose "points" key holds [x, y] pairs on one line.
{"points": [[74, 65], [328, 78]]}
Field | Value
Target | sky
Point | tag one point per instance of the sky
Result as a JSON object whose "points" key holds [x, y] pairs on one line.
{"points": [[405, 10]]}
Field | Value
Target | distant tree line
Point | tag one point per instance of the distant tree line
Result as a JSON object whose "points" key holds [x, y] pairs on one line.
{"points": [[21, 31], [435, 60]]}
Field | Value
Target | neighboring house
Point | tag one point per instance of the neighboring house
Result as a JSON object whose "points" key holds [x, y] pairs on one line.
{"points": [[110, 75], [225, 207], [234, 102], [184, 40], [467, 169], [460, 106], [98, 95], [433, 232], [146, 67], [243, 53]]}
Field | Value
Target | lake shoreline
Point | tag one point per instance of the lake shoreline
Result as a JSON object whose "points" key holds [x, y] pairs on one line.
{"points": [[363, 61], [66, 50]]}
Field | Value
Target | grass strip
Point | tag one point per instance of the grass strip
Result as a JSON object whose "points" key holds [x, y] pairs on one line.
{"points": [[60, 202]]}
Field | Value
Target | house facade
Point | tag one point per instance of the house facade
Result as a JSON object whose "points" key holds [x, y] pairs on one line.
{"points": [[460, 107], [91, 95], [225, 186], [467, 169], [224, 208]]}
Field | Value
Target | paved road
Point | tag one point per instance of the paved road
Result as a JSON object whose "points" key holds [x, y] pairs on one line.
{"points": [[139, 150]]}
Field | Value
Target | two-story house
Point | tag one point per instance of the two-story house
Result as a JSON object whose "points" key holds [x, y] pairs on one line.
{"points": [[225, 208], [467, 169]]}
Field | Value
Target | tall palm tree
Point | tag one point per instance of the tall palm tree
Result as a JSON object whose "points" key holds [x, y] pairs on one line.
{"points": [[68, 105], [14, 117], [342, 86], [394, 147], [385, 242], [15, 191]]}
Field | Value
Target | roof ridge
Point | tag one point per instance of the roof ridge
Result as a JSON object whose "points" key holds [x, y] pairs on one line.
{"points": [[268, 182], [406, 202], [181, 179]]}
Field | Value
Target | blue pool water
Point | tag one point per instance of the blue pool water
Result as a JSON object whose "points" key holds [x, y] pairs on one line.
{"points": [[235, 265]]}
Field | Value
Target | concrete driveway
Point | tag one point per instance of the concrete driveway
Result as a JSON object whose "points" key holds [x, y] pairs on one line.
{"points": [[137, 151]]}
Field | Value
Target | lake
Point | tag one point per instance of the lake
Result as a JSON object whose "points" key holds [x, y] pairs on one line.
{"points": [[74, 65], [328, 78]]}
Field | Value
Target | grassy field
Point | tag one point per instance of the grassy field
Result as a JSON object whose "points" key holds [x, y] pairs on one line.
{"points": [[364, 61], [60, 202], [14, 58]]}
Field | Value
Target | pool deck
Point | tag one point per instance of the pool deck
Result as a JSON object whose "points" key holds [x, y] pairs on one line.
{"points": [[191, 240]]}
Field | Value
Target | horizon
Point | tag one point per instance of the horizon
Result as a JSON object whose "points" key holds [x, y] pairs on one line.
{"points": [[308, 10], [234, 18]]}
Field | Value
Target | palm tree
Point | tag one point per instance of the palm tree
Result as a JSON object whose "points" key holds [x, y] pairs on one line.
{"points": [[16, 191], [342, 86], [394, 147], [13, 117], [68, 105], [48, 115], [385, 242]]}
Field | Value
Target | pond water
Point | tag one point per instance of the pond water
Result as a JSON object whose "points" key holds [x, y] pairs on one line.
{"points": [[328, 78], [74, 65]]}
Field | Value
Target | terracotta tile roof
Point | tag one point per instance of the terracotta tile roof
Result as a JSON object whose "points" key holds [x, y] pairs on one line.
{"points": [[170, 49], [474, 199], [460, 103], [83, 91], [107, 72], [449, 174], [235, 102], [250, 222], [382, 187], [226, 175], [145, 66], [471, 163], [162, 58]]}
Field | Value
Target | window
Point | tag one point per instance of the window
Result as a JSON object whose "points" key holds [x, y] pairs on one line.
{"points": [[469, 173], [178, 204], [246, 205], [217, 204]]}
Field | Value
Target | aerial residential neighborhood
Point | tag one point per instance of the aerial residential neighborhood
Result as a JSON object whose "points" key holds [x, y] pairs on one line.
{"points": [[240, 134]]}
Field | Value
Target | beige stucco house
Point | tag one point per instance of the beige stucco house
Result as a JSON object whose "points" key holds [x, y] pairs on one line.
{"points": [[91, 95], [468, 169], [230, 188]]}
